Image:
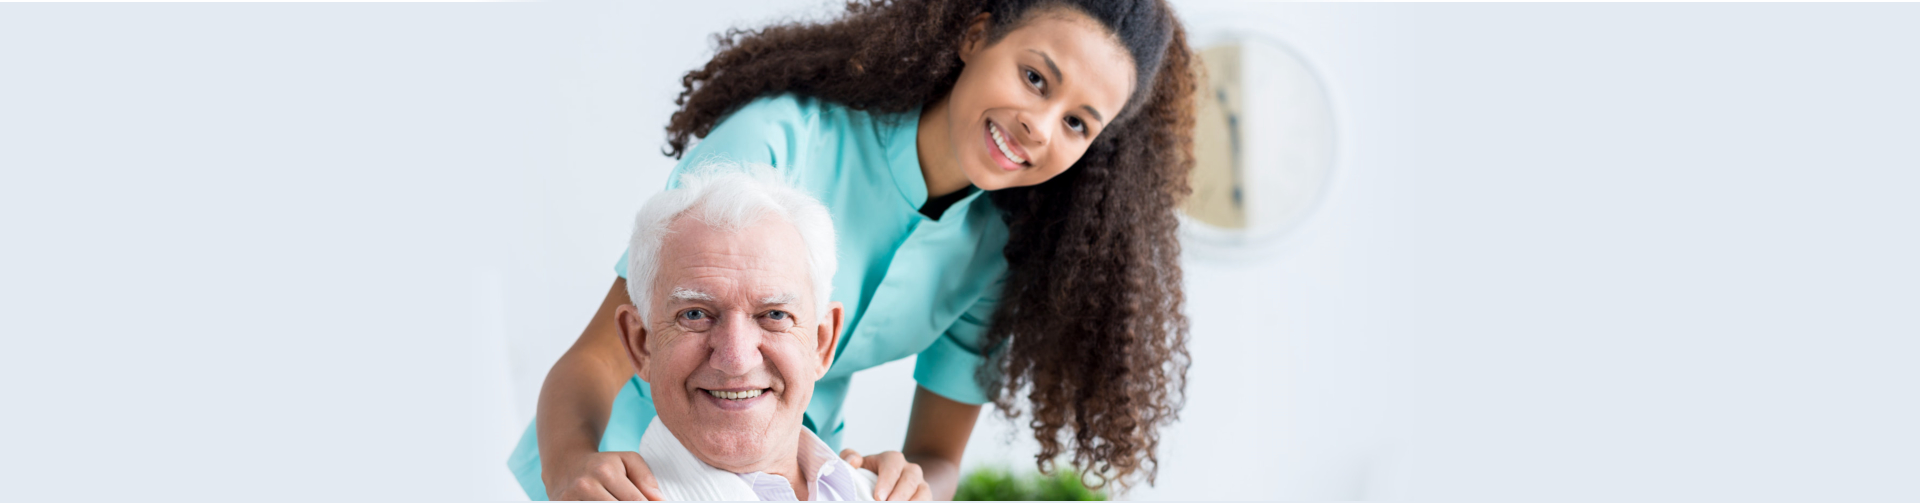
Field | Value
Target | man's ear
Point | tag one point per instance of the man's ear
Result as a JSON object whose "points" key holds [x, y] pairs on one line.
{"points": [[633, 338], [829, 338], [975, 38]]}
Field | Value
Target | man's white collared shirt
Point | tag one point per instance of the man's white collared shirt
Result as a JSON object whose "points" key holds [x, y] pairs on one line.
{"points": [[684, 477]]}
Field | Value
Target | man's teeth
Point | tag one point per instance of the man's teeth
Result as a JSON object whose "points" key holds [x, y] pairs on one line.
{"points": [[1001, 141], [735, 395]]}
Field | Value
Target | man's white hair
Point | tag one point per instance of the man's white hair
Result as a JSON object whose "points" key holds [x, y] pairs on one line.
{"points": [[729, 197]]}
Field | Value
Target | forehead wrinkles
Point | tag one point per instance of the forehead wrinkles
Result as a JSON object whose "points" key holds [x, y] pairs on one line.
{"points": [[738, 266], [733, 277], [762, 247], [761, 266], [726, 283]]}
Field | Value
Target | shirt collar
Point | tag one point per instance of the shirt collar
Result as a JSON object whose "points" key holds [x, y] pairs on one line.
{"points": [[828, 477], [901, 135]]}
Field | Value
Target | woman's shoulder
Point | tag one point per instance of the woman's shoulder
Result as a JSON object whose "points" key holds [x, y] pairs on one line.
{"points": [[816, 114], [789, 117], [788, 108], [784, 130], [767, 130]]}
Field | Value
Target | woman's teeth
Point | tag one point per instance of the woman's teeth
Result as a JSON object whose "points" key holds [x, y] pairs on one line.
{"points": [[1001, 141], [735, 395]]}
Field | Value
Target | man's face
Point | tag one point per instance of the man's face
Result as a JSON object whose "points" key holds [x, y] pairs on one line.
{"points": [[732, 345]]}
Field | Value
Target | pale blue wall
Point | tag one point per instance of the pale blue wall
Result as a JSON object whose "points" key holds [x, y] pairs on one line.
{"points": [[1573, 252]]}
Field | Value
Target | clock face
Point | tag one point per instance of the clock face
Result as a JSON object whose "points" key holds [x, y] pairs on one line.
{"points": [[1263, 143], [1217, 198]]}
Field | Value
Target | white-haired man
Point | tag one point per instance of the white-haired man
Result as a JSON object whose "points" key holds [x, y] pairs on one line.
{"points": [[730, 326]]}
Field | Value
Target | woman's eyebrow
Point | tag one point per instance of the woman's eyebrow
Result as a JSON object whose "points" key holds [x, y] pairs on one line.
{"points": [[1057, 78], [1050, 65]]}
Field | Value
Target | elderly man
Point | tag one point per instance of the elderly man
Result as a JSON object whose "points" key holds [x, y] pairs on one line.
{"points": [[730, 326]]}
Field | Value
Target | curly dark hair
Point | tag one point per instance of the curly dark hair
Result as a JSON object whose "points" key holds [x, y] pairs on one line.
{"points": [[1090, 324]]}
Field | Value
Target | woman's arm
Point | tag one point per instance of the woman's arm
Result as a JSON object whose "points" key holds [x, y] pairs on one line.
{"points": [[937, 433], [575, 401]]}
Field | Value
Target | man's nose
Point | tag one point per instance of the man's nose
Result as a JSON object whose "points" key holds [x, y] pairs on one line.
{"points": [[736, 344]]}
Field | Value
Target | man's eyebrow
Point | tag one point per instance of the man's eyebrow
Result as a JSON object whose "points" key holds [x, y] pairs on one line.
{"points": [[683, 294], [780, 298]]}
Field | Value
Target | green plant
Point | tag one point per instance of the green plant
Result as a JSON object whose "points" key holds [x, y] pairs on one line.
{"points": [[1000, 484]]}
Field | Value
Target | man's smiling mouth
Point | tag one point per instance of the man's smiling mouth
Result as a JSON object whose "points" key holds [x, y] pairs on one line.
{"points": [[736, 395]]}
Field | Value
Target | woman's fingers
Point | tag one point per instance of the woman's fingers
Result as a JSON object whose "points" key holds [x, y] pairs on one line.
{"points": [[911, 481], [600, 476], [898, 479], [641, 477], [612, 475], [587, 490], [924, 494], [852, 458], [622, 490], [888, 467]]}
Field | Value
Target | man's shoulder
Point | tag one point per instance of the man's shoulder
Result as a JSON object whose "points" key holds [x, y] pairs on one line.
{"points": [[865, 479], [860, 479]]}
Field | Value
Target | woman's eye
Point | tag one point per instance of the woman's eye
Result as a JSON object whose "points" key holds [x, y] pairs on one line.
{"points": [[1033, 79], [1074, 122]]}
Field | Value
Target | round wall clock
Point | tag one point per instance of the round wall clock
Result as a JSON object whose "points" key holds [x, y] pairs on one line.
{"points": [[1263, 145]]}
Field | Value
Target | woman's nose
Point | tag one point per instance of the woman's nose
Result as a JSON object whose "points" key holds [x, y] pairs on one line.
{"points": [[736, 345], [1035, 135]]}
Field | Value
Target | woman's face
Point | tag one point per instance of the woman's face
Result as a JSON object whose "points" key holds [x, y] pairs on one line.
{"points": [[1026, 108]]}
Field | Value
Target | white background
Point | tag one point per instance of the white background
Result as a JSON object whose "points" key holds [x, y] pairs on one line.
{"points": [[1572, 252]]}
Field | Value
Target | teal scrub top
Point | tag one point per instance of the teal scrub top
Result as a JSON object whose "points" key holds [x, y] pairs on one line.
{"points": [[911, 285]]}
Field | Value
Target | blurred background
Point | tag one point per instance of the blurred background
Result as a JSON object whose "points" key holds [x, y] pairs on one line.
{"points": [[1549, 252]]}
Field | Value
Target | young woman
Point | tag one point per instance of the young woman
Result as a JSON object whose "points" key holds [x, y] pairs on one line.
{"points": [[1002, 176]]}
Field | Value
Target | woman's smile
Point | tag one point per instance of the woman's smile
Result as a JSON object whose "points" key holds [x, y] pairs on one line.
{"points": [[1004, 149]]}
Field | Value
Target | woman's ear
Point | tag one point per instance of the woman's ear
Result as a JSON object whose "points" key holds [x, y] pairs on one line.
{"points": [[975, 37], [633, 338]]}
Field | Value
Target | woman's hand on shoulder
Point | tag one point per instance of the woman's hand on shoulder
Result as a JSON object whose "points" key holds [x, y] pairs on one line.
{"points": [[899, 479], [604, 476]]}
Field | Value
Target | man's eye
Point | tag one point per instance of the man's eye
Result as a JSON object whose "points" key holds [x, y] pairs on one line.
{"points": [[1033, 79], [777, 315], [693, 315]]}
